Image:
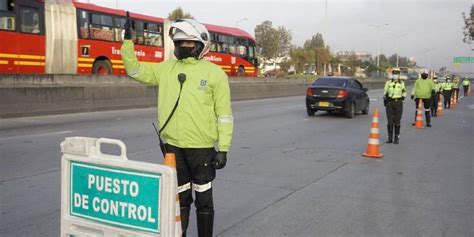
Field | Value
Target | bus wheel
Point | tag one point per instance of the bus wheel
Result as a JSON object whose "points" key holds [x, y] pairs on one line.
{"points": [[241, 72], [102, 67]]}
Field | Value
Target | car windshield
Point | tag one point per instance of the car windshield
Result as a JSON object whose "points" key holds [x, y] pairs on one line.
{"points": [[330, 82]]}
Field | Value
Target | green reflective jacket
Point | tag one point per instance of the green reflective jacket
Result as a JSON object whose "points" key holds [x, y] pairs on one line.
{"points": [[423, 88], [466, 82], [204, 115], [448, 86], [395, 89]]}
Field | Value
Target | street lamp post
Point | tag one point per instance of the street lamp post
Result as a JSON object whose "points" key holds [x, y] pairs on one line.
{"points": [[378, 44], [237, 22], [398, 45]]}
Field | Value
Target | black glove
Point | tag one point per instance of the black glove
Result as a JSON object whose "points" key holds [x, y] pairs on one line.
{"points": [[412, 97], [128, 27], [385, 101], [220, 160], [403, 98]]}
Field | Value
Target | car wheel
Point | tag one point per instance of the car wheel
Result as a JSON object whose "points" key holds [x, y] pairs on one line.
{"points": [[366, 110], [310, 111], [350, 113]]}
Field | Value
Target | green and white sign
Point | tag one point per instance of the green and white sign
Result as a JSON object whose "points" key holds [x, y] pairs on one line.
{"points": [[463, 60], [119, 197]]}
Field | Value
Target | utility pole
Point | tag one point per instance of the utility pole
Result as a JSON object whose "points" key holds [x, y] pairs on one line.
{"points": [[378, 44]]}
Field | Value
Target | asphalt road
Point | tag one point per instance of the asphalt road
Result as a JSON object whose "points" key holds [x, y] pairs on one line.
{"points": [[288, 174]]}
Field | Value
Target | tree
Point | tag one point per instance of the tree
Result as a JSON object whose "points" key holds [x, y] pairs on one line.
{"points": [[321, 52], [468, 29], [267, 40], [179, 13], [284, 38], [299, 58], [272, 42]]}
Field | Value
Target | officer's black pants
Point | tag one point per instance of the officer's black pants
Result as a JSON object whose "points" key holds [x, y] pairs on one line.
{"points": [[447, 99], [195, 170], [434, 104], [466, 89], [426, 107], [394, 110]]}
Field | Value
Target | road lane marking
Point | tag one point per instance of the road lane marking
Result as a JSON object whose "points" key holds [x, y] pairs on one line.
{"points": [[373, 99], [34, 135]]}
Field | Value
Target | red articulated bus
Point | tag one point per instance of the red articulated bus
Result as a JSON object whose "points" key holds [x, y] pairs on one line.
{"points": [[38, 36]]}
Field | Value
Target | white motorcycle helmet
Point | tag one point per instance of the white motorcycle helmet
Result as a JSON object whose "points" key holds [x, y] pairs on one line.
{"points": [[425, 72], [190, 30]]}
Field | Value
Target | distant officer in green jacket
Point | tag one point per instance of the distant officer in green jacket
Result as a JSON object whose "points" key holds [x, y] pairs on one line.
{"points": [[465, 84], [456, 87], [203, 118], [447, 91], [435, 98], [394, 95], [424, 89]]}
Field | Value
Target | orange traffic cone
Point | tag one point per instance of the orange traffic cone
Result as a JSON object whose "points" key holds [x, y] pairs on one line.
{"points": [[440, 106], [373, 146], [452, 101], [170, 161], [419, 115], [455, 98]]}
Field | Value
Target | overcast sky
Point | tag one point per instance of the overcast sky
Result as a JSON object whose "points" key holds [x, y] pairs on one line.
{"points": [[429, 30]]}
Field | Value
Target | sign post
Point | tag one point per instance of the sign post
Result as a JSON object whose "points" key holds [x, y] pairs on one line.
{"points": [[105, 195]]}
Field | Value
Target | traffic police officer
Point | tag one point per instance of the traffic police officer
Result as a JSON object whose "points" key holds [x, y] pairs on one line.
{"points": [[203, 115], [456, 87], [424, 90], [447, 89], [465, 85], [395, 92], [436, 97]]}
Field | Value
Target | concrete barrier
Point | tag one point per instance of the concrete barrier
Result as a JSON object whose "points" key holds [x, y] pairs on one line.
{"points": [[31, 95]]}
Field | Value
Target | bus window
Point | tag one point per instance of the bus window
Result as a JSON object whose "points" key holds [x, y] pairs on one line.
{"points": [[119, 23], [232, 46], [223, 44], [3, 5], [102, 27], [251, 52], [83, 24], [7, 21], [213, 47], [138, 33], [152, 34], [29, 20]]}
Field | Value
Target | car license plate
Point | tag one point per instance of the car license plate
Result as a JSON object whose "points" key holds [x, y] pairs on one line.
{"points": [[323, 104]]}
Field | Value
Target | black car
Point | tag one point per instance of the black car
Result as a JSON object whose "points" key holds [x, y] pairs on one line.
{"points": [[337, 94]]}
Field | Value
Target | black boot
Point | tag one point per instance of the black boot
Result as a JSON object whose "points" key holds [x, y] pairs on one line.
{"points": [[184, 212], [205, 223], [390, 133], [397, 134]]}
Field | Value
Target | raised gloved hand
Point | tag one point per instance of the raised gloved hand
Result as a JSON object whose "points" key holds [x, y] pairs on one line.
{"points": [[412, 97], [220, 160], [128, 27]]}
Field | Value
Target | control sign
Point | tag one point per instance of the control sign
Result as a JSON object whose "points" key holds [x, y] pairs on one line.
{"points": [[121, 197]]}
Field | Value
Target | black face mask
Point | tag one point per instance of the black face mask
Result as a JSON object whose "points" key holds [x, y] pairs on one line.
{"points": [[424, 76], [186, 52], [183, 52]]}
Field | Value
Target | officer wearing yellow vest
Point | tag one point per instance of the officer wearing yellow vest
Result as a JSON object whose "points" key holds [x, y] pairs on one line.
{"points": [[203, 114], [447, 90], [456, 86], [394, 92], [465, 84], [423, 89], [436, 97]]}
